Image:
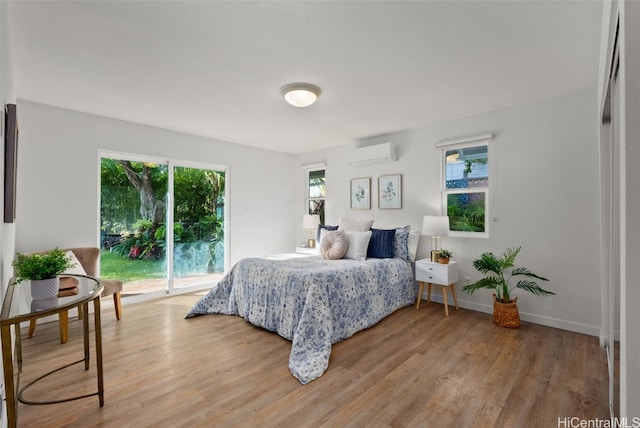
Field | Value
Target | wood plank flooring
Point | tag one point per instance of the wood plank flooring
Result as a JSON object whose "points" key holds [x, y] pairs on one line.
{"points": [[416, 368]]}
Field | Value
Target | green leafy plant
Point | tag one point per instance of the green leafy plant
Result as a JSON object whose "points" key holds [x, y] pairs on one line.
{"points": [[40, 266], [501, 271], [465, 215], [444, 253]]}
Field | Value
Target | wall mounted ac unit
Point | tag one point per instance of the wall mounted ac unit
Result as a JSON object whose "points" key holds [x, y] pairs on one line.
{"points": [[385, 152]]}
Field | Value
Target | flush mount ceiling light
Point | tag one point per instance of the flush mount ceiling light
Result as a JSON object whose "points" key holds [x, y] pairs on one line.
{"points": [[300, 94]]}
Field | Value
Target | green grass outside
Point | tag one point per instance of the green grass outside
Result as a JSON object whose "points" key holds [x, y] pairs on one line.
{"points": [[115, 266]]}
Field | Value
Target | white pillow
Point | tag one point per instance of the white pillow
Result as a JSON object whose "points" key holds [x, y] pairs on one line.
{"points": [[77, 268], [358, 244], [414, 237], [323, 233], [347, 225]]}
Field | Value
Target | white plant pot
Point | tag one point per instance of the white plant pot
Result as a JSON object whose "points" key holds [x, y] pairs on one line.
{"points": [[43, 304], [42, 289]]}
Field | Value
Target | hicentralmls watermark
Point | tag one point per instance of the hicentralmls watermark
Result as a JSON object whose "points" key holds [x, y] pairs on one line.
{"points": [[575, 422]]}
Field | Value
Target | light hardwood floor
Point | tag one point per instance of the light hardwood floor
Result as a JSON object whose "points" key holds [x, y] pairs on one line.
{"points": [[415, 368]]}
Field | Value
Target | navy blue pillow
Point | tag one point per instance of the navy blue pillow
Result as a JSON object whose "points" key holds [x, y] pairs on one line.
{"points": [[325, 227], [382, 243]]}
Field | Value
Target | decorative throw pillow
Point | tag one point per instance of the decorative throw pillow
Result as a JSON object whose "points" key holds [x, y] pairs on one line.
{"points": [[76, 268], [358, 244], [324, 232], [412, 244], [401, 244], [381, 244], [355, 225], [333, 245], [324, 227]]}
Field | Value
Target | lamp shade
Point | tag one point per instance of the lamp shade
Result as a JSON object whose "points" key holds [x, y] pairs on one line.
{"points": [[435, 225], [310, 221]]}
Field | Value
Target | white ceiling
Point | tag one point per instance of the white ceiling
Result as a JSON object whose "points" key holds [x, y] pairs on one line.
{"points": [[214, 68]]}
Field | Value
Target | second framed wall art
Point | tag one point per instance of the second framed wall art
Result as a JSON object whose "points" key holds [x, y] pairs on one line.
{"points": [[390, 191]]}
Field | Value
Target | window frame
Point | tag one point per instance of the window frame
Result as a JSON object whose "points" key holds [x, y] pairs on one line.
{"points": [[445, 146], [309, 169]]}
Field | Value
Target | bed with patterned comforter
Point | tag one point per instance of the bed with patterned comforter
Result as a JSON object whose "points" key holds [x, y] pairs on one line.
{"points": [[311, 301]]}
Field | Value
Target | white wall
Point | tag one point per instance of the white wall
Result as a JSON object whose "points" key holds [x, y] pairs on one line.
{"points": [[7, 95], [58, 180], [544, 174], [7, 230]]}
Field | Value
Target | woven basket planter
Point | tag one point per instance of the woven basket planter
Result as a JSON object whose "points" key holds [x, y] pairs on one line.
{"points": [[506, 314]]}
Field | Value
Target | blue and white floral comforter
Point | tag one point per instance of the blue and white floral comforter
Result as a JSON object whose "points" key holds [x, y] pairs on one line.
{"points": [[311, 301]]}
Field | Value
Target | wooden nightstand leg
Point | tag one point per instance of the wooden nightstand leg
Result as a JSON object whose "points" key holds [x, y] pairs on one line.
{"points": [[429, 293], [419, 295], [455, 298], [446, 299]]}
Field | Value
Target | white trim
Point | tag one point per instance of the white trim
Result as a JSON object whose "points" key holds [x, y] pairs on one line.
{"points": [[475, 140], [314, 167], [591, 330], [134, 157]]}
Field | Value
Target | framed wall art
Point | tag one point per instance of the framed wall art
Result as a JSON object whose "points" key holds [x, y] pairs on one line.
{"points": [[390, 191], [361, 193], [10, 162]]}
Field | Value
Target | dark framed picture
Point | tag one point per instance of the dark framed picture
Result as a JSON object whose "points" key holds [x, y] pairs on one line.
{"points": [[10, 162]]}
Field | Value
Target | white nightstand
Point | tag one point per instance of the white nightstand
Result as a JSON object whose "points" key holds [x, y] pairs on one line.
{"points": [[440, 274], [306, 250]]}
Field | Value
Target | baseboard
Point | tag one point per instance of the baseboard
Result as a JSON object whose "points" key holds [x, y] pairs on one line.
{"points": [[528, 317]]}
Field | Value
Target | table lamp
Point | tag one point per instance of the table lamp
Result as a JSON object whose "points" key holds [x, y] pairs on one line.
{"points": [[435, 226], [311, 223]]}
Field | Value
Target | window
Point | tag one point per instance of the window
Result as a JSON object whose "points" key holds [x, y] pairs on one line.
{"points": [[317, 193], [466, 186]]}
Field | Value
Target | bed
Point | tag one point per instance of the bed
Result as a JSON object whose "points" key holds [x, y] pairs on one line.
{"points": [[311, 301]]}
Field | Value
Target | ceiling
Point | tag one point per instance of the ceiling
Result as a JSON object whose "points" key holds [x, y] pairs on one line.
{"points": [[215, 68]]}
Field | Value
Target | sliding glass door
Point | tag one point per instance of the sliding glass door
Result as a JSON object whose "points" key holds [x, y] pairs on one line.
{"points": [[198, 226], [161, 224]]}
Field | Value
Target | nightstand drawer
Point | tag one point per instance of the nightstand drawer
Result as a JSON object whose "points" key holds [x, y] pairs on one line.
{"points": [[431, 274], [436, 273]]}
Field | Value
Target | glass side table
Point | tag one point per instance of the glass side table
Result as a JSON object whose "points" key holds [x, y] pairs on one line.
{"points": [[18, 307]]}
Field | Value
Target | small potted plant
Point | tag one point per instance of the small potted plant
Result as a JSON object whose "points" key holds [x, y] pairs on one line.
{"points": [[501, 270], [443, 256], [42, 270]]}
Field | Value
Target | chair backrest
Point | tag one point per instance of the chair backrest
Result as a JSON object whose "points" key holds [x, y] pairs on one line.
{"points": [[87, 256]]}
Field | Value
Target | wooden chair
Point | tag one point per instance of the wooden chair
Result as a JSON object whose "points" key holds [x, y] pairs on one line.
{"points": [[88, 258]]}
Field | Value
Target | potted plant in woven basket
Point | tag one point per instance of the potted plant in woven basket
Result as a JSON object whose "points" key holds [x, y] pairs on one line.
{"points": [[42, 270], [501, 270]]}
